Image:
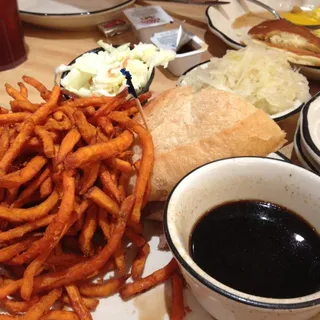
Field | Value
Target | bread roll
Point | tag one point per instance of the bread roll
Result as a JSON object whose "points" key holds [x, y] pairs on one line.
{"points": [[190, 130]]}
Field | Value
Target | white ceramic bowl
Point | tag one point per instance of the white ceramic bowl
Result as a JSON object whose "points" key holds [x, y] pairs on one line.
{"points": [[310, 128], [221, 18], [276, 117], [71, 14], [234, 179]]}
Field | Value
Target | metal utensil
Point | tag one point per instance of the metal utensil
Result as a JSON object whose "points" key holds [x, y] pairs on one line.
{"points": [[203, 2], [271, 10]]}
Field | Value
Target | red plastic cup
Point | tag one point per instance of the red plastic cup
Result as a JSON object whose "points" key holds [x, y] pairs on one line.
{"points": [[12, 49]]}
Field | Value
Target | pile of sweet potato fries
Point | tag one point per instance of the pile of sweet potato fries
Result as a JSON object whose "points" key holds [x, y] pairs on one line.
{"points": [[65, 211]]}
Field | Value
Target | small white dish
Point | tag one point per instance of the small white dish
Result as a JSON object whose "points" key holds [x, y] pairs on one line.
{"points": [[221, 18], [184, 61], [70, 14], [276, 117], [233, 179]]}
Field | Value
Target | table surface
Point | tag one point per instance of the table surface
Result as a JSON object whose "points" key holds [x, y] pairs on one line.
{"points": [[49, 48]]}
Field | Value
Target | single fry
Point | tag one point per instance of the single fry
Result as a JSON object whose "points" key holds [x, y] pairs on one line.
{"points": [[23, 89], [47, 141], [44, 304], [105, 124], [4, 141], [46, 188], [64, 260], [90, 303], [147, 161], [133, 236], [131, 103], [12, 118], [30, 214], [89, 111], [177, 306], [99, 151], [131, 289], [23, 106], [119, 164], [90, 175], [25, 228], [9, 287], [140, 261], [87, 130], [11, 195], [105, 289], [67, 145], [103, 223], [111, 105], [109, 185], [146, 195], [77, 303], [131, 111], [45, 93], [102, 200], [17, 178], [7, 253], [88, 230], [31, 188], [87, 102], [59, 315], [18, 306], [119, 259]]}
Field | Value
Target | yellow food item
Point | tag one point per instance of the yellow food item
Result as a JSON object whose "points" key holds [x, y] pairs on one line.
{"points": [[300, 17]]}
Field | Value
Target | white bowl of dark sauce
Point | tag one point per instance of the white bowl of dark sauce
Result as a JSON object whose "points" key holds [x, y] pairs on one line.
{"points": [[245, 232]]}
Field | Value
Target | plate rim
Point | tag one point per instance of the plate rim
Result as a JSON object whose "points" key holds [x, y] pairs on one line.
{"points": [[305, 125], [85, 13]]}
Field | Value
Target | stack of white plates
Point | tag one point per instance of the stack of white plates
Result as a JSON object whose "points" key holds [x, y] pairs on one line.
{"points": [[307, 137]]}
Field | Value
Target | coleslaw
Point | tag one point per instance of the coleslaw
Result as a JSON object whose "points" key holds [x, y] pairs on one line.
{"points": [[99, 73]]}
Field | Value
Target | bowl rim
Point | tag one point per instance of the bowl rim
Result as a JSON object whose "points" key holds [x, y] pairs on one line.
{"points": [[85, 13], [297, 143], [274, 117], [96, 50], [305, 125], [216, 288]]}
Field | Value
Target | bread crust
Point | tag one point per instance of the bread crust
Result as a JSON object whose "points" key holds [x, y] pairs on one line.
{"points": [[195, 129]]}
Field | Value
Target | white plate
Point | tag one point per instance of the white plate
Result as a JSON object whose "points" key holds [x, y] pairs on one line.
{"points": [[70, 14], [221, 18]]}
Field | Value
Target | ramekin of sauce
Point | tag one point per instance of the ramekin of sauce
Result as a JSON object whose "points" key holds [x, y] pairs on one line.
{"points": [[245, 232]]}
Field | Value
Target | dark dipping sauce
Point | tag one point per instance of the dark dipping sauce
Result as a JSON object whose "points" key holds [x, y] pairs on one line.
{"points": [[258, 248]]}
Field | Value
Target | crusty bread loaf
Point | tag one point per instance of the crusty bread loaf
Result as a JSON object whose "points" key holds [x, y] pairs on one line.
{"points": [[190, 129], [302, 45]]}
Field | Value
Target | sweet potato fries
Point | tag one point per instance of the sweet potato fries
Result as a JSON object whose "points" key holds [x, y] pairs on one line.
{"points": [[65, 211]]}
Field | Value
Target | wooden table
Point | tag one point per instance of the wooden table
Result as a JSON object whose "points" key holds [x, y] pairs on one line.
{"points": [[49, 48]]}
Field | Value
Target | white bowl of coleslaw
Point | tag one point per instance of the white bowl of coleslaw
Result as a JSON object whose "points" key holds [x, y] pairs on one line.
{"points": [[97, 71]]}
